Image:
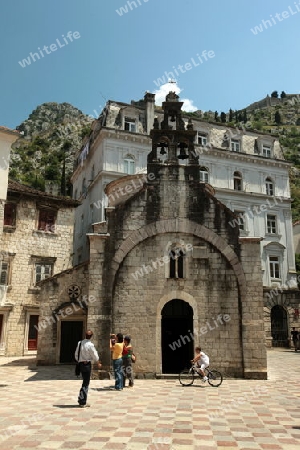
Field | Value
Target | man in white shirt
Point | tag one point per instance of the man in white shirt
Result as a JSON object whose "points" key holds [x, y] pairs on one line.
{"points": [[87, 355]]}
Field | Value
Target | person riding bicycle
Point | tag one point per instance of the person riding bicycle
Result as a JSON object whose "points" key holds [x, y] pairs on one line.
{"points": [[201, 361]]}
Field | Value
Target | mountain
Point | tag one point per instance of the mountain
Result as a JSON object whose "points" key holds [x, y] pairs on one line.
{"points": [[54, 131], [50, 138]]}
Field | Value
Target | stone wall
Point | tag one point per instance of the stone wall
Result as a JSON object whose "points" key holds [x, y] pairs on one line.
{"points": [[171, 209], [24, 244], [54, 310]]}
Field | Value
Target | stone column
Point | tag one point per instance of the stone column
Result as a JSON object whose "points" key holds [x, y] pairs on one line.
{"points": [[252, 311]]}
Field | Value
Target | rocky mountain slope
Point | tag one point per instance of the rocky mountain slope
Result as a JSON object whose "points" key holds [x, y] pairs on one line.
{"points": [[53, 133], [50, 138]]}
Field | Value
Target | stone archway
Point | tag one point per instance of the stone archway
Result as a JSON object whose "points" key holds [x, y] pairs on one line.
{"points": [[183, 226], [179, 295], [176, 336]]}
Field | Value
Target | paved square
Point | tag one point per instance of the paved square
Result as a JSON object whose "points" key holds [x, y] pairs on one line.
{"points": [[39, 411]]}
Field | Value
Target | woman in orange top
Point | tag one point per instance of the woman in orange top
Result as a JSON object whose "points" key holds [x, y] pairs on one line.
{"points": [[117, 349]]}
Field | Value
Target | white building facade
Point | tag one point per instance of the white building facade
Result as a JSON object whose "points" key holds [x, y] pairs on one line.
{"points": [[246, 169]]}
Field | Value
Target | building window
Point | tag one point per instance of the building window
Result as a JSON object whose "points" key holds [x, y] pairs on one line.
{"points": [[129, 166], [84, 189], [4, 273], [274, 267], [1, 326], [81, 225], [92, 173], [269, 186], [203, 175], [42, 271], [176, 263], [237, 181], [47, 218], [10, 210], [235, 145], [266, 151], [202, 139], [241, 220], [271, 224], [130, 125]]}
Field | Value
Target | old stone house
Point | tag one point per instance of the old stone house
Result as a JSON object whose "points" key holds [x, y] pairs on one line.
{"points": [[166, 267], [247, 170], [36, 242]]}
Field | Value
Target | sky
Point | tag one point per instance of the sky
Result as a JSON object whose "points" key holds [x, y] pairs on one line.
{"points": [[86, 52]]}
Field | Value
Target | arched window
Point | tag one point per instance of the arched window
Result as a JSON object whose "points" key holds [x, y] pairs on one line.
{"points": [[269, 186], [237, 181], [129, 165], [204, 175], [176, 263]]}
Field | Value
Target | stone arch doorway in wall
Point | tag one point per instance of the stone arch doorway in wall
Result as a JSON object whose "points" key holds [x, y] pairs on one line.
{"points": [[279, 327], [177, 341], [71, 326]]}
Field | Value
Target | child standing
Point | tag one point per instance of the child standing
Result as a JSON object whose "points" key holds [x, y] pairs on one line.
{"points": [[201, 359]]}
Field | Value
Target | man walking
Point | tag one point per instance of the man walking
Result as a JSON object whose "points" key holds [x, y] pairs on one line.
{"points": [[295, 338], [85, 357]]}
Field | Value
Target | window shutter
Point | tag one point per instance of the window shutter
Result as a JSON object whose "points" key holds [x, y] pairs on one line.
{"points": [[4, 273]]}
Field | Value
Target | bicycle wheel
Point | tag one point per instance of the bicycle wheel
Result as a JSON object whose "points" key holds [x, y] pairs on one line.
{"points": [[215, 378], [186, 377]]}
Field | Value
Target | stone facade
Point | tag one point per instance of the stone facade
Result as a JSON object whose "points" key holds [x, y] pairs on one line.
{"points": [[246, 169], [167, 268], [36, 243]]}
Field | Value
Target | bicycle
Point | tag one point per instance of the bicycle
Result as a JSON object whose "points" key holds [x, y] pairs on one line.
{"points": [[187, 376]]}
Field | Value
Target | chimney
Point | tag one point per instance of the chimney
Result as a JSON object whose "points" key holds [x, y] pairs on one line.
{"points": [[51, 187], [150, 104]]}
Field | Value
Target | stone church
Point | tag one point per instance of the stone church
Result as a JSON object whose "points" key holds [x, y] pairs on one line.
{"points": [[165, 267]]}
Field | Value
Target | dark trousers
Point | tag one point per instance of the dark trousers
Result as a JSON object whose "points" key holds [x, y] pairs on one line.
{"points": [[85, 370], [127, 371]]}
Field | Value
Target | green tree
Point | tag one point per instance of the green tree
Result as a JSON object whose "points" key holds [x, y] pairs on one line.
{"points": [[245, 116], [223, 117], [216, 116], [274, 94], [278, 118], [257, 125], [230, 115], [283, 94]]}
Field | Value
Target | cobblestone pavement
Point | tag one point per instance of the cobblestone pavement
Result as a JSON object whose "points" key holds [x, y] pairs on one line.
{"points": [[39, 410]]}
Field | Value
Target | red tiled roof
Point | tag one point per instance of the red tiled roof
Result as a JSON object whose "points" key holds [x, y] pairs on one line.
{"points": [[15, 186]]}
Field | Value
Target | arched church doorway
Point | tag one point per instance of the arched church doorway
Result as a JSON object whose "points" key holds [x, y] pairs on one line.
{"points": [[177, 341], [279, 327]]}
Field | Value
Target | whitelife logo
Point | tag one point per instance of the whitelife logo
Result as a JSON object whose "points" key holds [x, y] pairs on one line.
{"points": [[53, 47]]}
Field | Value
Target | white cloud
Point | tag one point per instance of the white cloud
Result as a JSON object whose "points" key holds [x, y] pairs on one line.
{"points": [[161, 93]]}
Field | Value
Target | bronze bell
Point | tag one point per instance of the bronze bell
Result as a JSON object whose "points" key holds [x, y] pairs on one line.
{"points": [[162, 146], [182, 152]]}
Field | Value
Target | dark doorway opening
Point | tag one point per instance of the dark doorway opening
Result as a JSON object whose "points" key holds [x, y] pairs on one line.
{"points": [[71, 333], [33, 332], [279, 327], [177, 341]]}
